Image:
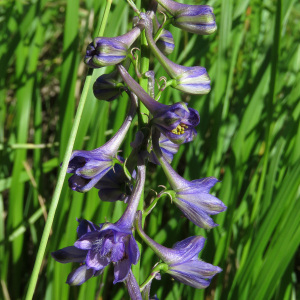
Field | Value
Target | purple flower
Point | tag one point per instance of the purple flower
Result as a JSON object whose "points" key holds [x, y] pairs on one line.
{"points": [[105, 51], [107, 87], [191, 80], [89, 167], [192, 197], [182, 260], [115, 186], [111, 243], [98, 246], [177, 122], [168, 149], [197, 19]]}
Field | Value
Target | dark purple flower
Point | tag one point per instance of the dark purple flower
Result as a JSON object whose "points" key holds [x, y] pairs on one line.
{"points": [[192, 197], [115, 186], [89, 167], [191, 80], [104, 51], [111, 243], [177, 122], [197, 19], [98, 246], [182, 260]]}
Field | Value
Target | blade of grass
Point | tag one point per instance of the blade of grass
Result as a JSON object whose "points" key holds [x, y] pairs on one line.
{"points": [[62, 174]]}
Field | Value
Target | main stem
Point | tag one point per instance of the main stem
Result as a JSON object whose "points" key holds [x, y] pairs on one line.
{"points": [[62, 174], [143, 81]]}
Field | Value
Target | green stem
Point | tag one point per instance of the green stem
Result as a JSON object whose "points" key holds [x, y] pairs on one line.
{"points": [[159, 31], [155, 270], [133, 6], [143, 120], [143, 81], [62, 174], [168, 83], [147, 211]]}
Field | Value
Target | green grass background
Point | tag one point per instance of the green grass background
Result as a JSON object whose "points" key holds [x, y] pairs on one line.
{"points": [[249, 138]]}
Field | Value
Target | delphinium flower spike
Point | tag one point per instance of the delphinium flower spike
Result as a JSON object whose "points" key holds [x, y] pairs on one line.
{"points": [[191, 80], [197, 19], [89, 167], [191, 197], [182, 260], [98, 246], [177, 122]]}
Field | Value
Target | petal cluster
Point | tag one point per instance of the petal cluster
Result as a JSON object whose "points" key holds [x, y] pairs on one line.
{"points": [[196, 203], [187, 268], [97, 247], [182, 259], [177, 122], [89, 167], [192, 197], [110, 244]]}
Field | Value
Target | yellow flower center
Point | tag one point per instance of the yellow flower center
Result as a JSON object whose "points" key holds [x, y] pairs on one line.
{"points": [[179, 129]]}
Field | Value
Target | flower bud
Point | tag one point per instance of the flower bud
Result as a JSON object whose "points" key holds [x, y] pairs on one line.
{"points": [[114, 185], [197, 19], [165, 42], [107, 87], [194, 80], [110, 51]]}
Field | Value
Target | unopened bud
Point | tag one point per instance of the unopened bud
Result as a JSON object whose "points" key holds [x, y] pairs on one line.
{"points": [[110, 51], [197, 19], [107, 87]]}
